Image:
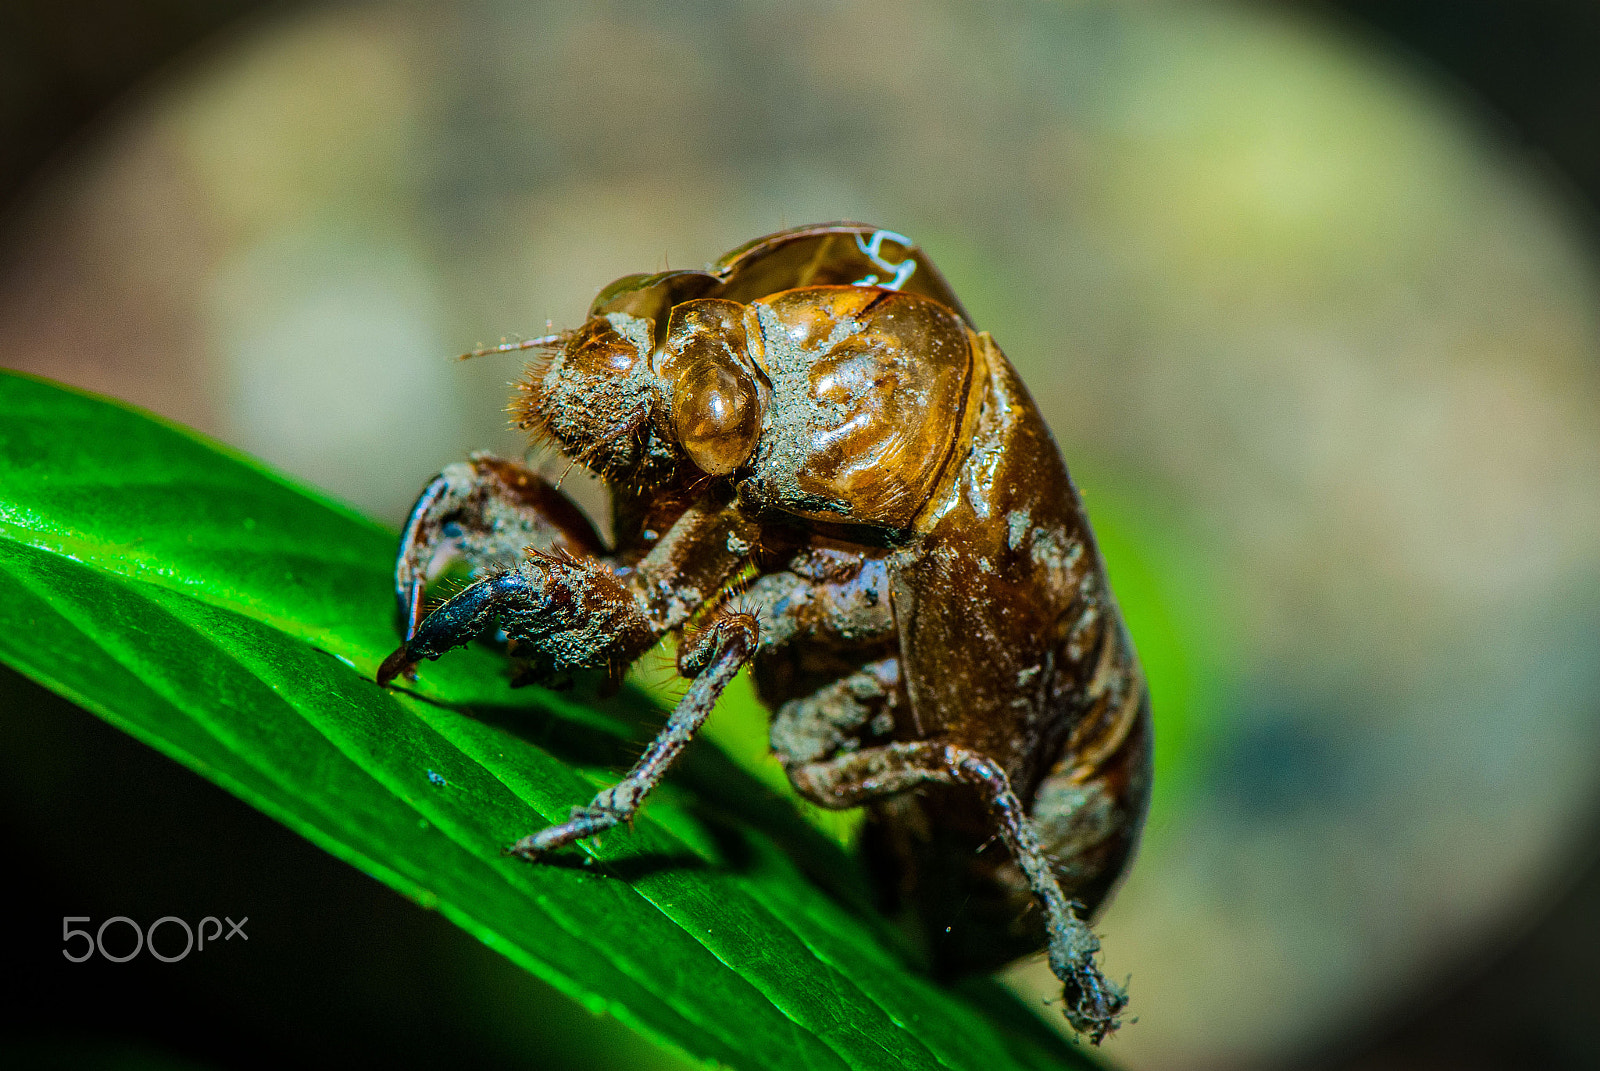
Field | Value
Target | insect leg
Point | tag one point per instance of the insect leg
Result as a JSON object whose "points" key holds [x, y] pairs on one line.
{"points": [[712, 660], [564, 613], [1092, 1001], [818, 726], [483, 512]]}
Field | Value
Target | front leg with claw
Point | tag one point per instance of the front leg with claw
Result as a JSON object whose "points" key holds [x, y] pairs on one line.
{"points": [[485, 513], [563, 613]]}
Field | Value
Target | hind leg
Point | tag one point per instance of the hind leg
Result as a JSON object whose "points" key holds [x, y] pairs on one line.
{"points": [[838, 715], [1092, 1002]]}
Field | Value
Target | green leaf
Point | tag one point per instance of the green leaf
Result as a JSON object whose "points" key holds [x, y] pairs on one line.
{"points": [[233, 621]]}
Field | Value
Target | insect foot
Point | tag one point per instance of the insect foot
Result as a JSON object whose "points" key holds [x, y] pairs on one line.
{"points": [[1093, 1002], [595, 817], [713, 658]]}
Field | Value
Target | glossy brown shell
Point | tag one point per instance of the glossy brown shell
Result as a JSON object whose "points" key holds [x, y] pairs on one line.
{"points": [[1008, 638], [867, 391], [826, 254], [1011, 644]]}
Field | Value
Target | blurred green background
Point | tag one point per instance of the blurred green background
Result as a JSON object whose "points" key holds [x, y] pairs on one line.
{"points": [[1318, 335]]}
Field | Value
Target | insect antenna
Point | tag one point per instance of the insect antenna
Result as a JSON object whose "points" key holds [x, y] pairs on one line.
{"points": [[549, 341]]}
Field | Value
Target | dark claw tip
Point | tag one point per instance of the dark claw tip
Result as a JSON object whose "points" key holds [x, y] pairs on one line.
{"points": [[397, 664]]}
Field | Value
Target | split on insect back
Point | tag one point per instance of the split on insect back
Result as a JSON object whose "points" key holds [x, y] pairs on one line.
{"points": [[815, 422]]}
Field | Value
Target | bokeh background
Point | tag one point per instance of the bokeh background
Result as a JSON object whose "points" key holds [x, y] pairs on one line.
{"points": [[1307, 292]]}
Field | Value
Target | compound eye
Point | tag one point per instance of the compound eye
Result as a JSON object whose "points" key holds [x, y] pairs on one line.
{"points": [[716, 412]]}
